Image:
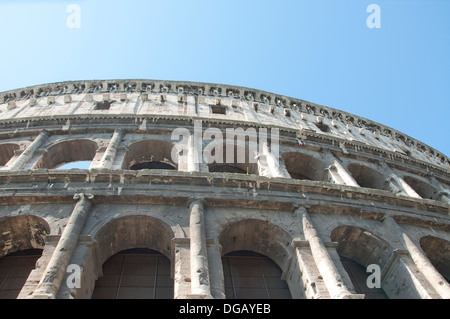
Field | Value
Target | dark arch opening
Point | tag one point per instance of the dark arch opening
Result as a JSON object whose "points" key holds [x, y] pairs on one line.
{"points": [[149, 154], [304, 167], [152, 165], [68, 152], [422, 188], [438, 252], [7, 152], [14, 271], [358, 248], [358, 276], [225, 168], [250, 275], [137, 273], [366, 176]]}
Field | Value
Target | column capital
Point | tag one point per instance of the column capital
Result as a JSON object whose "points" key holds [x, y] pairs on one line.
{"points": [[81, 196], [45, 132], [297, 206], [192, 200]]}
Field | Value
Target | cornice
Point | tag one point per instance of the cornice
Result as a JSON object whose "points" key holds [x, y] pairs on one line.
{"points": [[146, 86]]}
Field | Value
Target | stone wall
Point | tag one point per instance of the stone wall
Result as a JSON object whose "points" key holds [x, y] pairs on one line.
{"points": [[341, 187]]}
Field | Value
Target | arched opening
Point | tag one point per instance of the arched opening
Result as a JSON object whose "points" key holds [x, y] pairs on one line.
{"points": [[366, 176], [149, 154], [359, 276], [249, 275], [138, 273], [438, 252], [234, 158], [21, 233], [76, 165], [252, 243], [357, 249], [7, 152], [152, 165], [225, 168], [304, 167], [14, 271], [21, 243], [143, 241], [67, 152], [422, 188]]}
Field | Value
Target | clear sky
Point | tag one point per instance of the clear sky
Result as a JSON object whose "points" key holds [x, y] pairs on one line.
{"points": [[318, 50]]}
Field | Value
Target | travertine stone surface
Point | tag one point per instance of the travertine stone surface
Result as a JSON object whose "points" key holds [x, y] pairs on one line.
{"points": [[360, 190]]}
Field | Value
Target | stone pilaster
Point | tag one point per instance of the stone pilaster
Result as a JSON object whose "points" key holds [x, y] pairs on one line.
{"points": [[111, 150], [307, 281], [443, 193], [56, 269], [436, 280], [29, 151], [269, 165], [182, 269], [322, 258], [396, 183], [200, 283], [216, 269], [337, 172]]}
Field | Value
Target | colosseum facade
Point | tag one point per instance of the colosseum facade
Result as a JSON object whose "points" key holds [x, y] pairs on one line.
{"points": [[342, 198]]}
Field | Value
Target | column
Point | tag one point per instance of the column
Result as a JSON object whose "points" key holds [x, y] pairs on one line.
{"points": [[337, 172], [200, 284], [56, 269], [322, 258], [192, 158], [444, 194], [422, 262], [216, 275], [29, 151], [111, 150], [397, 184], [182, 270], [269, 165], [306, 280]]}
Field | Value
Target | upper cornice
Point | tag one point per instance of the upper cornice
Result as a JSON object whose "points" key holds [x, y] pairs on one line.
{"points": [[183, 99]]}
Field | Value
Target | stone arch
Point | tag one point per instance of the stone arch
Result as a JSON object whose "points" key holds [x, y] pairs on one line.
{"points": [[149, 154], [7, 152], [67, 152], [438, 252], [134, 231], [144, 246], [251, 275], [366, 176], [303, 166], [243, 162], [259, 236], [260, 244], [358, 248], [22, 232], [22, 240], [424, 189], [361, 245]]}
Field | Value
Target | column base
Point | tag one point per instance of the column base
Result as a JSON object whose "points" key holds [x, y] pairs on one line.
{"points": [[199, 296], [353, 296]]}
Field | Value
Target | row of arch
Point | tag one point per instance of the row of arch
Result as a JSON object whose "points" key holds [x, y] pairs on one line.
{"points": [[256, 257], [157, 154]]}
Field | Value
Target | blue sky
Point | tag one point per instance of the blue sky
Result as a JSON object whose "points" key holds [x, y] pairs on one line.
{"points": [[317, 50]]}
